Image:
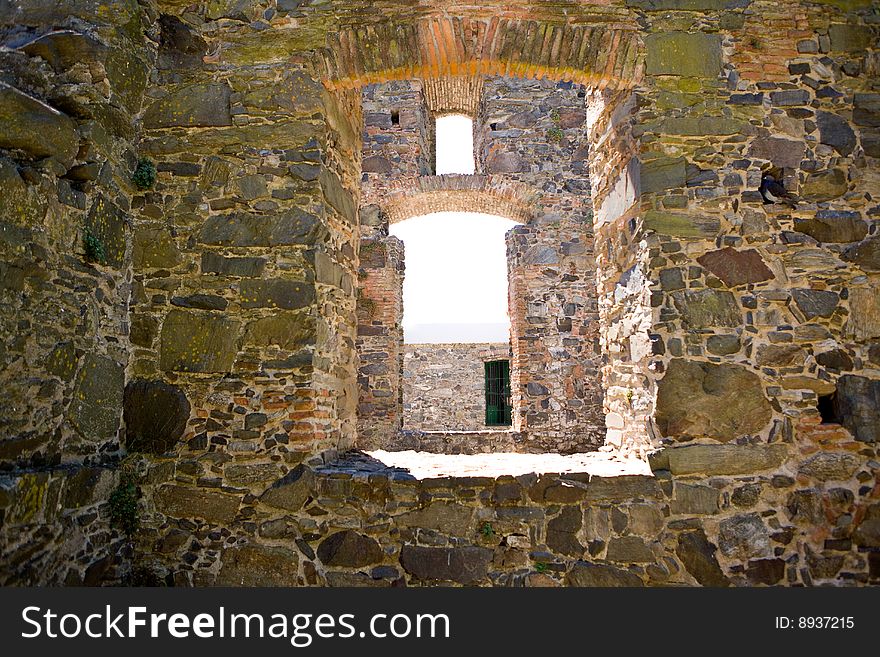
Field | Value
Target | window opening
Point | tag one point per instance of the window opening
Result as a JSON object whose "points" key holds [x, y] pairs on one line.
{"points": [[498, 393], [455, 145]]}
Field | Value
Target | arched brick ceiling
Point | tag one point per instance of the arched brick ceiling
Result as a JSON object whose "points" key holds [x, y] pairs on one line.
{"points": [[593, 55], [460, 193]]}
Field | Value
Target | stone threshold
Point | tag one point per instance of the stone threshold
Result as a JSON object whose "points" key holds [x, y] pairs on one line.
{"points": [[426, 465]]}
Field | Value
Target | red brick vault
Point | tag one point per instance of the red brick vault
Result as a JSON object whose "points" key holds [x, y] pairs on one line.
{"points": [[202, 321]]}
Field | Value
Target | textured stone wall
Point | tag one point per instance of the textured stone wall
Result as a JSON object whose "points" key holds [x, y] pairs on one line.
{"points": [[380, 343], [71, 77], [535, 133], [738, 515], [756, 311], [444, 385]]}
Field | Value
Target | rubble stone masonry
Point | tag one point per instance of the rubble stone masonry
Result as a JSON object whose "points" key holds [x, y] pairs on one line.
{"points": [[186, 362]]}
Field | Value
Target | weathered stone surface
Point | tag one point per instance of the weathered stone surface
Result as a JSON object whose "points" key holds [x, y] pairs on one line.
{"points": [[744, 536], [707, 307], [815, 303], [242, 229], [186, 502], [867, 533], [857, 403], [824, 185], [835, 359], [586, 574], [723, 345], [290, 331], [849, 38], [562, 532], [681, 225], [629, 549], [36, 128], [193, 105], [703, 400], [697, 555], [662, 173], [248, 474], [108, 224], [258, 565], [96, 407], [180, 45], [836, 132], [683, 53], [465, 565], [765, 571], [155, 415], [450, 519], [724, 459], [736, 267], [153, 247], [61, 49], [828, 466], [505, 162], [291, 491], [376, 164], [866, 110], [833, 226], [88, 486], [695, 500], [864, 313], [201, 302], [780, 355], [198, 342], [245, 267], [687, 5], [349, 549], [623, 488], [781, 152], [865, 254], [276, 293]]}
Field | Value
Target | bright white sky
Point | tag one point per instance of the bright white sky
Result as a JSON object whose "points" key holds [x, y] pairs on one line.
{"points": [[455, 289], [455, 144], [456, 274]]}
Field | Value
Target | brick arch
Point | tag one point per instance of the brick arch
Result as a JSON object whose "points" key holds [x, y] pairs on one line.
{"points": [[593, 55], [460, 193]]}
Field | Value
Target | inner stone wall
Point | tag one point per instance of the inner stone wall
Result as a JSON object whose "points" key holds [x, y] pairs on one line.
{"points": [[444, 386], [529, 135]]}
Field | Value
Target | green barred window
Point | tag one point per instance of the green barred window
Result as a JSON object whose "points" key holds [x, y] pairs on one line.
{"points": [[498, 393]]}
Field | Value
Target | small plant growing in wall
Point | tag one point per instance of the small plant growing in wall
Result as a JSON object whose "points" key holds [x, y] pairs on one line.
{"points": [[144, 176], [541, 566], [555, 134], [124, 502], [94, 246], [555, 116], [486, 530]]}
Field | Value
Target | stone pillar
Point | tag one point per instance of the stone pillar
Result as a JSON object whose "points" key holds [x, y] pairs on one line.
{"points": [[533, 132], [380, 343]]}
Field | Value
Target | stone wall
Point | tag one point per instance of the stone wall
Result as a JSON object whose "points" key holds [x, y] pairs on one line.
{"points": [[216, 342], [380, 342], [71, 77], [730, 515], [444, 387]]}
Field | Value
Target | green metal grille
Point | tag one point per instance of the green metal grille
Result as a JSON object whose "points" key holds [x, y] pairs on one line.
{"points": [[498, 393]]}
